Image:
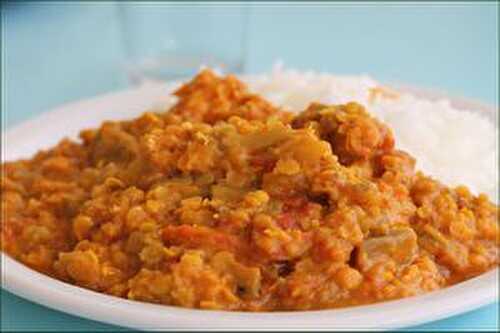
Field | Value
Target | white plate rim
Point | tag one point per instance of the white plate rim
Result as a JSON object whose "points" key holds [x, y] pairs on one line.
{"points": [[57, 295]]}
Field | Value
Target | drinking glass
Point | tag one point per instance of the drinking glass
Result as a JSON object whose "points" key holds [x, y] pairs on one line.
{"points": [[168, 41]]}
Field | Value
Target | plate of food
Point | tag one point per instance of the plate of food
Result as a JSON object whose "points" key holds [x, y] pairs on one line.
{"points": [[287, 200]]}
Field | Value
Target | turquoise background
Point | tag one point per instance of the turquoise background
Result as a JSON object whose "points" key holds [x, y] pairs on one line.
{"points": [[59, 52]]}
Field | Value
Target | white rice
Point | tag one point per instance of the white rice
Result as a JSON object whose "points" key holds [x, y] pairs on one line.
{"points": [[454, 146]]}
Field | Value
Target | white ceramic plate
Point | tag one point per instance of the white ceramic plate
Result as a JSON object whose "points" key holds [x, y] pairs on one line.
{"points": [[47, 129]]}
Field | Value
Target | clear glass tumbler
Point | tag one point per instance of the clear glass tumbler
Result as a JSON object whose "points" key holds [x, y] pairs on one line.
{"points": [[167, 41]]}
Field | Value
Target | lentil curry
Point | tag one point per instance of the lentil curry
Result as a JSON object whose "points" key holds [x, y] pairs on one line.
{"points": [[228, 202]]}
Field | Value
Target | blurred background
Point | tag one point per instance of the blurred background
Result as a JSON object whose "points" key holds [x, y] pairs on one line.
{"points": [[56, 52]]}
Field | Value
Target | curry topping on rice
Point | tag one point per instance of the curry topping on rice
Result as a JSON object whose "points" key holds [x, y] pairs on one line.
{"points": [[228, 202]]}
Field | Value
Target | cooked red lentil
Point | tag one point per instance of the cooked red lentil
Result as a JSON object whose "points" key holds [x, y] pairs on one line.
{"points": [[227, 202]]}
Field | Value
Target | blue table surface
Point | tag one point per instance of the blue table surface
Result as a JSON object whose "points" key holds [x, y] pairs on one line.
{"points": [[58, 52]]}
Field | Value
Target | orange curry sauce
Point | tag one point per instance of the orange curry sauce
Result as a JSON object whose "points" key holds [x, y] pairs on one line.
{"points": [[227, 202]]}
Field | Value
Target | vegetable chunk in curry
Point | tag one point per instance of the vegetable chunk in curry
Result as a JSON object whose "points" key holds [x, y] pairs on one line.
{"points": [[228, 202]]}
